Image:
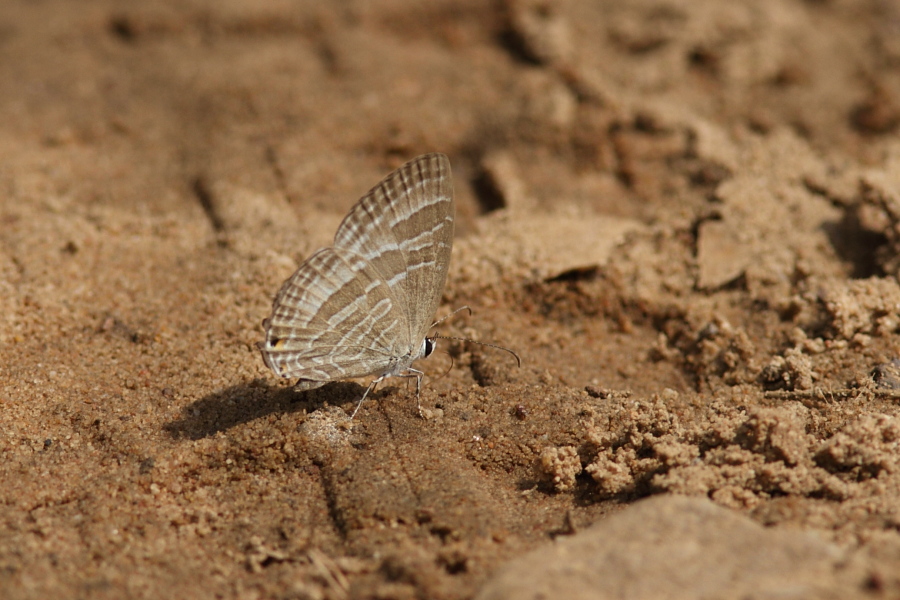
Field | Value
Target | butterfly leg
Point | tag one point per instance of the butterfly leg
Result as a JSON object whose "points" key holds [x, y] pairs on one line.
{"points": [[418, 375], [408, 374], [368, 389]]}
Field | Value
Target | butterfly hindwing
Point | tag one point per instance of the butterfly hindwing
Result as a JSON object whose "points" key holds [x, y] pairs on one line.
{"points": [[333, 319]]}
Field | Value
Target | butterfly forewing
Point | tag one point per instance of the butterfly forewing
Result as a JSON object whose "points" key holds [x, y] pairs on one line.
{"points": [[404, 228]]}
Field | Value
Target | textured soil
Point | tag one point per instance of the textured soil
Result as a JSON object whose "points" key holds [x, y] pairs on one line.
{"points": [[684, 216]]}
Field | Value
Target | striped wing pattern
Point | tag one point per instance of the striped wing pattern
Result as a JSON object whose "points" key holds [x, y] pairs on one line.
{"points": [[404, 228], [363, 306]]}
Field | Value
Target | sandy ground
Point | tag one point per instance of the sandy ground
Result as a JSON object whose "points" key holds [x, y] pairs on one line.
{"points": [[683, 215]]}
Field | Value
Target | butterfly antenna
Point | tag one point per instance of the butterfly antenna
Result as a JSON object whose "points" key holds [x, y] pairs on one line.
{"points": [[461, 339], [444, 318], [450, 368]]}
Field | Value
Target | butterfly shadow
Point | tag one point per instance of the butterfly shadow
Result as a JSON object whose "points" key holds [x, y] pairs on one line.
{"points": [[238, 404]]}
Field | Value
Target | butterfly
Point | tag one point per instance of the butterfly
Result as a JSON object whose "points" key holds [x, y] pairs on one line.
{"points": [[364, 306]]}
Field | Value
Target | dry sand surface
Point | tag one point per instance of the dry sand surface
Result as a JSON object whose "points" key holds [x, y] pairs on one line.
{"points": [[683, 215]]}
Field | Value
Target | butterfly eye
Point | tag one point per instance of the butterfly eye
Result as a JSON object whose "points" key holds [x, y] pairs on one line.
{"points": [[430, 345]]}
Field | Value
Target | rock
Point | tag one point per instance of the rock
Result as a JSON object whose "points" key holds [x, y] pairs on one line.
{"points": [[676, 547]]}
